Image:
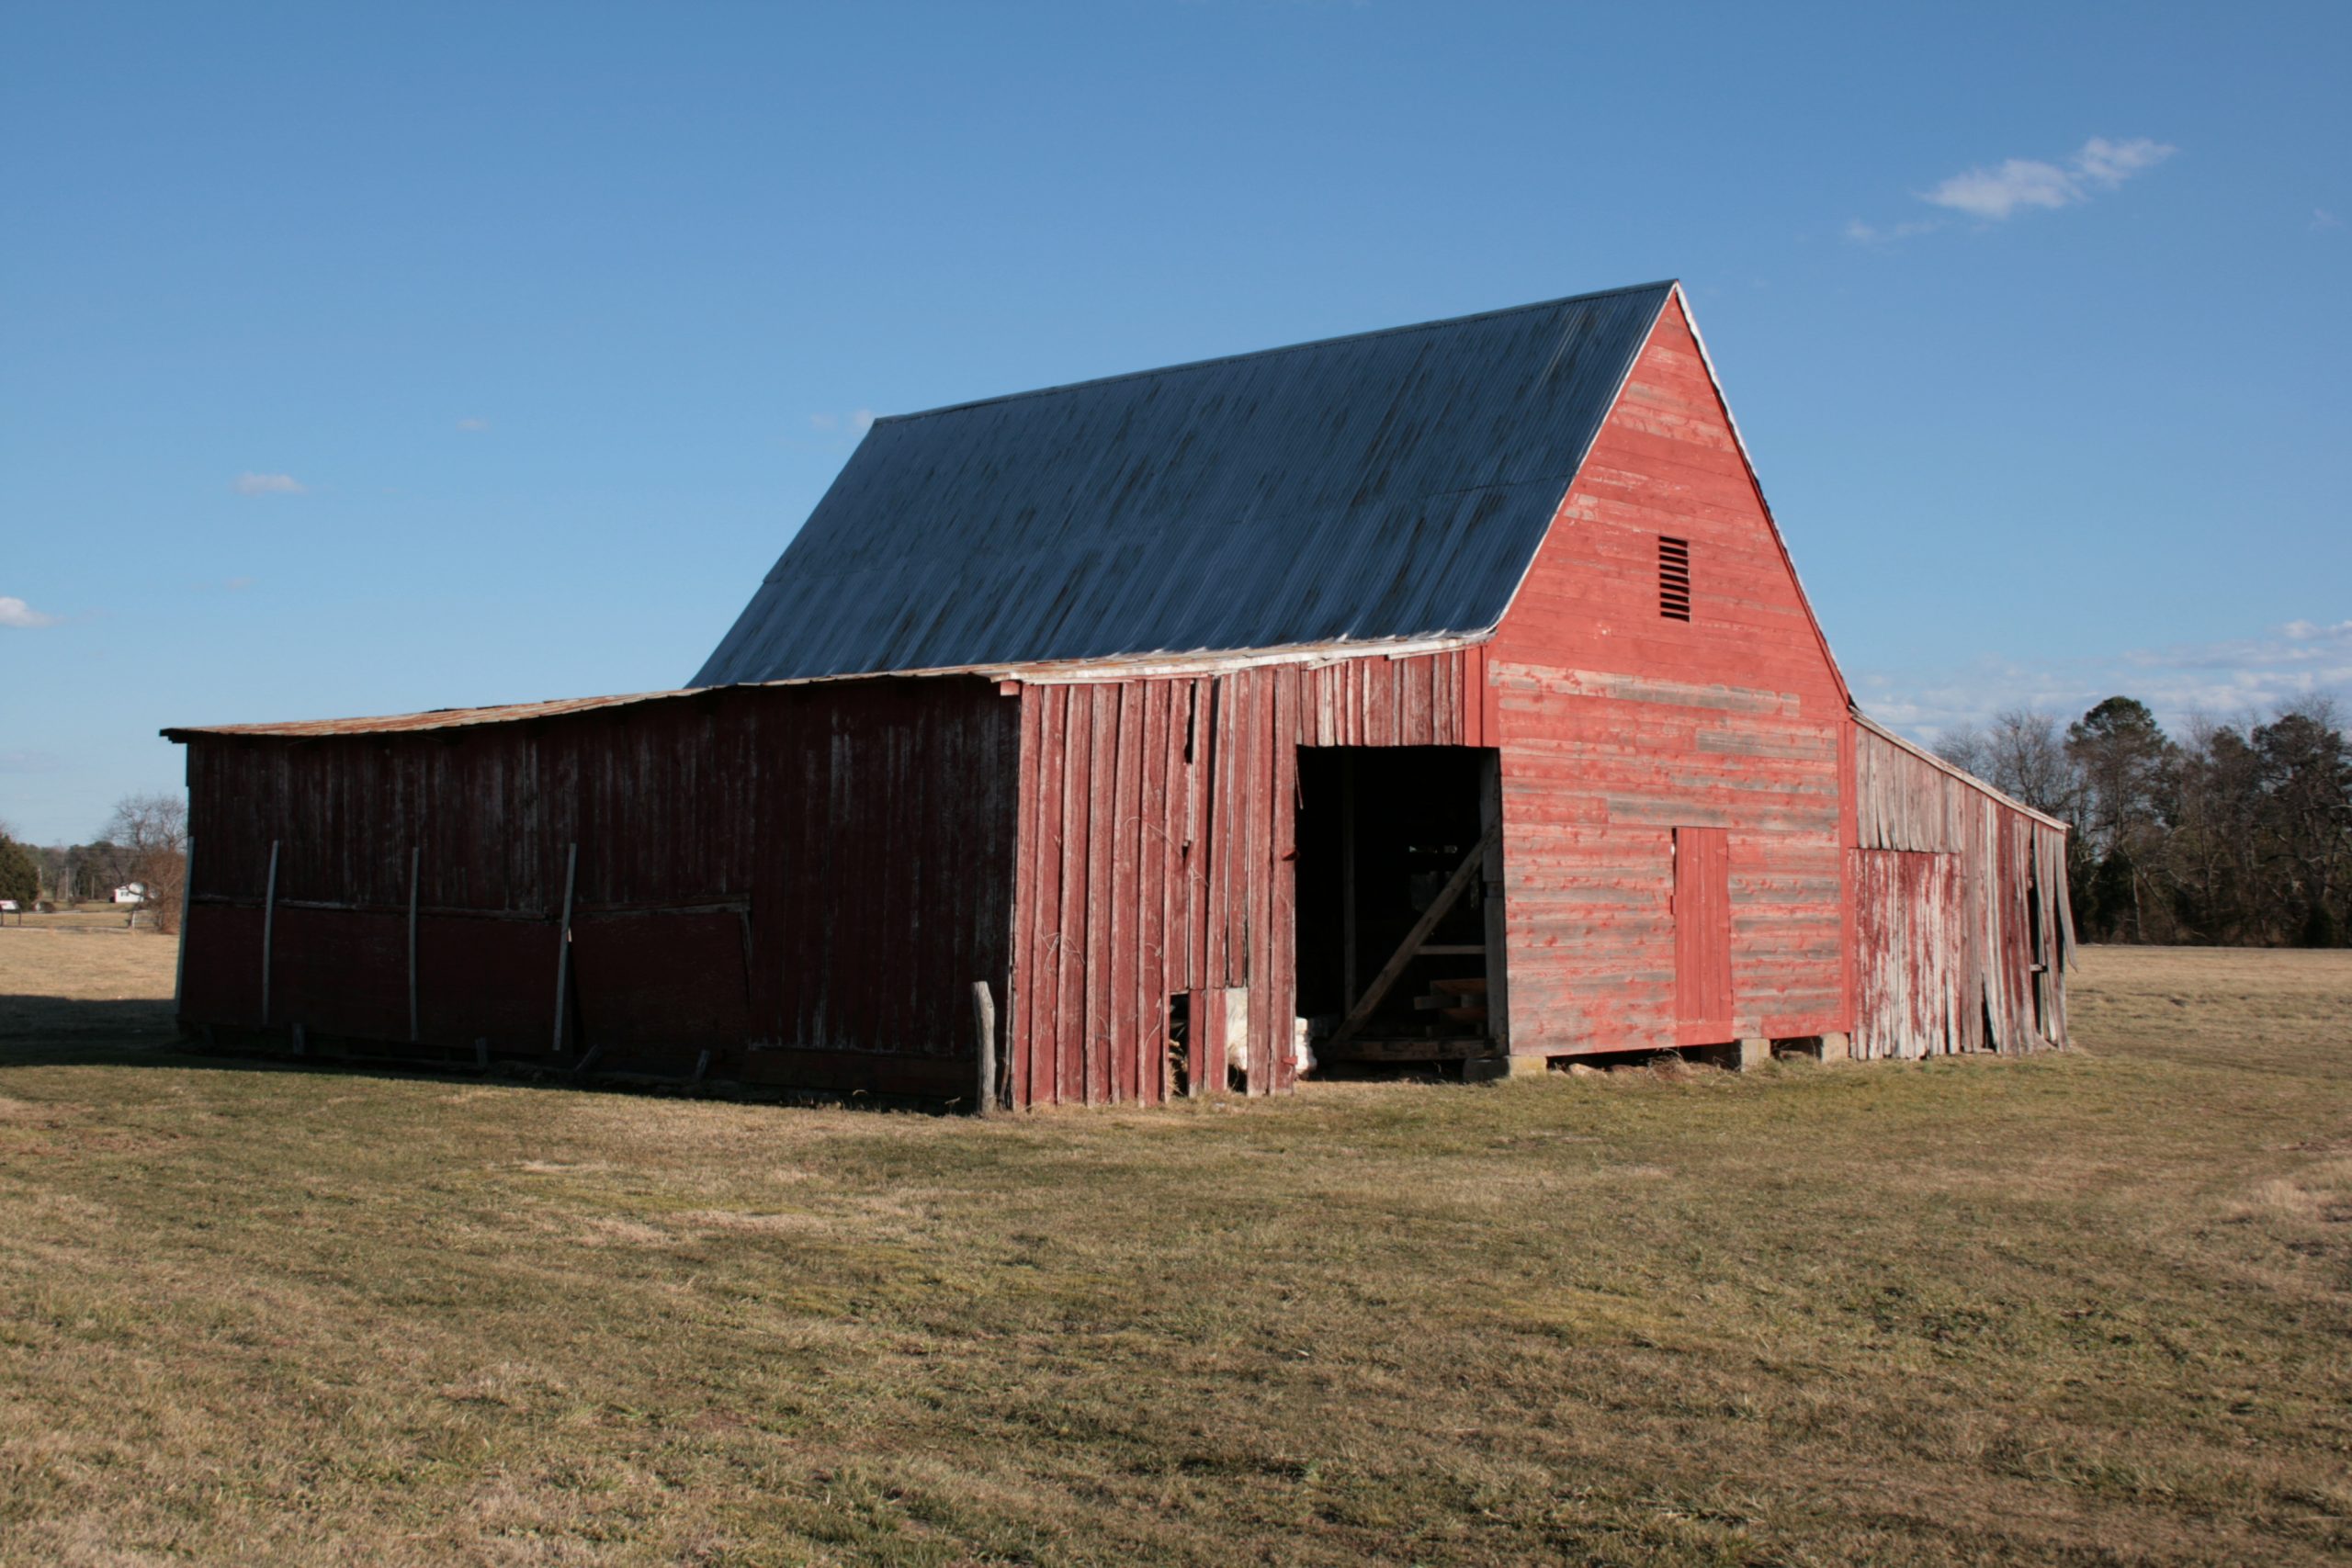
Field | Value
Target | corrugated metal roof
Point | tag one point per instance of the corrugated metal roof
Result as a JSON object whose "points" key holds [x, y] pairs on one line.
{"points": [[1390, 485]]}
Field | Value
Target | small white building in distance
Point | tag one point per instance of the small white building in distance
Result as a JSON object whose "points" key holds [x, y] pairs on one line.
{"points": [[130, 893]]}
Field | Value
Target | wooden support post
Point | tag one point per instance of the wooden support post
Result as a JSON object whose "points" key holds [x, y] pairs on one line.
{"points": [[302, 1042], [702, 1065], [1407, 950], [984, 1033], [268, 924], [1493, 905], [481, 1054], [415, 863], [563, 943], [1347, 958], [180, 959], [1754, 1053], [579, 1071]]}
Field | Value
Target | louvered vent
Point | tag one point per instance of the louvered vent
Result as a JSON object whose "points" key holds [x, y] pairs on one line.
{"points": [[1674, 578]]}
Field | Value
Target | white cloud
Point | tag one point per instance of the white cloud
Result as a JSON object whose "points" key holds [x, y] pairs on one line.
{"points": [[861, 421], [2222, 679], [823, 421], [17, 613], [2111, 162], [1870, 234], [856, 421], [2017, 184], [473, 424], [1995, 194], [2322, 220], [28, 763], [268, 484]]}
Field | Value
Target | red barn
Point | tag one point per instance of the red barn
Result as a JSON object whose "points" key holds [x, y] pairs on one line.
{"points": [[1439, 694]]}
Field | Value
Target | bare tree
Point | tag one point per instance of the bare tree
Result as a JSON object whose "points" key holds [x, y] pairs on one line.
{"points": [[2020, 754], [1965, 747], [152, 831], [2028, 760]]}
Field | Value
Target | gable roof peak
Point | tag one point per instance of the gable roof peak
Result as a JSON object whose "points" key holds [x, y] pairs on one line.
{"points": [[1663, 287], [1387, 485]]}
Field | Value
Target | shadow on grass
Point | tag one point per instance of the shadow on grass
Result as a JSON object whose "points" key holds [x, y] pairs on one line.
{"points": [[68, 1031], [140, 1025], [47, 1031]]}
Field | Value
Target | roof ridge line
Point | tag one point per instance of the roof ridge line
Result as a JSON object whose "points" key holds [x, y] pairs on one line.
{"points": [[1269, 352]]}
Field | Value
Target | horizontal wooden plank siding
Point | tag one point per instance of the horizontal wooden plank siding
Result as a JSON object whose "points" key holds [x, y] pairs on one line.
{"points": [[1619, 725], [1157, 822], [1963, 932], [817, 870]]}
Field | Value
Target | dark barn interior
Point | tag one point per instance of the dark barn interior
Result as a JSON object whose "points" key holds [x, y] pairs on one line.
{"points": [[1381, 833]]}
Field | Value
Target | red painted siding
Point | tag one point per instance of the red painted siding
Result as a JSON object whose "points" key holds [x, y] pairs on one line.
{"points": [[1702, 934], [1157, 854], [1619, 725], [805, 880]]}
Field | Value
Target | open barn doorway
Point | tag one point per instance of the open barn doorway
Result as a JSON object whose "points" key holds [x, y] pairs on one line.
{"points": [[1400, 921]]}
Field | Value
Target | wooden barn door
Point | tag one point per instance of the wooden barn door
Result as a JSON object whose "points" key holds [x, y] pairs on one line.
{"points": [[1702, 936]]}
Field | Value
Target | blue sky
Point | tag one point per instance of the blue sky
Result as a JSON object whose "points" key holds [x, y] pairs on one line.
{"points": [[362, 359]]}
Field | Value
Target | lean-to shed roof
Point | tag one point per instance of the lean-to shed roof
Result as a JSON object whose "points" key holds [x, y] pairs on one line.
{"points": [[1390, 485], [1043, 673]]}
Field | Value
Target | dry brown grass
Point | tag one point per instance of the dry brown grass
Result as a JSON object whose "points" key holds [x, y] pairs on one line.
{"points": [[62, 976], [2089, 1309]]}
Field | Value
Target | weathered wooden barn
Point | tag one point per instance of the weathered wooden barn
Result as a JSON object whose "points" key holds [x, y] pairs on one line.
{"points": [[1440, 694]]}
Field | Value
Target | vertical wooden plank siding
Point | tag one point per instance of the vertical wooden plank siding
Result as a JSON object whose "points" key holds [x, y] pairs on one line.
{"points": [[804, 880], [1021, 1018], [1617, 725], [1125, 1023], [1195, 871], [1099, 941], [1952, 886]]}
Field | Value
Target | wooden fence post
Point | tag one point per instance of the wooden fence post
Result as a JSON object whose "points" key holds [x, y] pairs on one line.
{"points": [[984, 1029]]}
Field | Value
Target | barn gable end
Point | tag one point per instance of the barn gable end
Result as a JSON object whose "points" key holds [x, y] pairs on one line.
{"points": [[1620, 723]]}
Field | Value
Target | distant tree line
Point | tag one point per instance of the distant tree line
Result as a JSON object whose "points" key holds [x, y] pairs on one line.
{"points": [[2234, 834], [145, 842]]}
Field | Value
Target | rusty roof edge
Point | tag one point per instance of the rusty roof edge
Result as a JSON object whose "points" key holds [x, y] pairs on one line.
{"points": [[1045, 672], [428, 719], [1962, 774]]}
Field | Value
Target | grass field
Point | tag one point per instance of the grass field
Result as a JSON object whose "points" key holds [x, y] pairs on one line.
{"points": [[2089, 1308]]}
